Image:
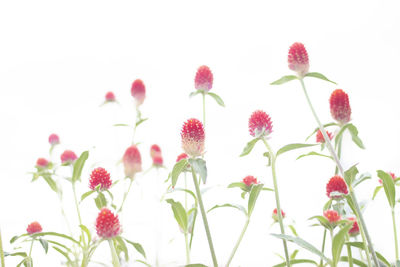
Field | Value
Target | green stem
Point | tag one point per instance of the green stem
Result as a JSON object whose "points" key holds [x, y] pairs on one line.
{"points": [[204, 216], [1, 252], [341, 170], [125, 195], [115, 260], [366, 247], [187, 249], [238, 242], [339, 153], [135, 126], [278, 204], [321, 263], [204, 109], [395, 236], [30, 261], [349, 254], [76, 204]]}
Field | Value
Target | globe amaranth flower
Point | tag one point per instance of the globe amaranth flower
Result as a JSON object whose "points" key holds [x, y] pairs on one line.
{"points": [[320, 137], [33, 228], [204, 79], [68, 157], [260, 124], [340, 106], [332, 216], [132, 161], [275, 216], [193, 137], [54, 139], [138, 91], [155, 150], [100, 176], [181, 156], [355, 230], [107, 224], [158, 161], [298, 59], [110, 97], [391, 175], [42, 163], [336, 188], [249, 180]]}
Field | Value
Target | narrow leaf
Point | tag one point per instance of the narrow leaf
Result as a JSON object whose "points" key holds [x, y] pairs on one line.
{"points": [[78, 166], [338, 242], [292, 147], [240, 185], [284, 79], [44, 244], [318, 76], [179, 214], [350, 174], [313, 153], [377, 189], [217, 98], [238, 207], [138, 247], [296, 261], [255, 191], [388, 185], [50, 182], [249, 147], [85, 195], [176, 171], [324, 126], [199, 165], [355, 261], [354, 135]]}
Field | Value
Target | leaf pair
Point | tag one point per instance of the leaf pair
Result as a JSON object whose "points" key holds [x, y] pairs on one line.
{"points": [[216, 97]]}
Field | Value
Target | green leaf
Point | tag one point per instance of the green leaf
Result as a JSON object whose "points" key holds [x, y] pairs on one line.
{"points": [[249, 147], [240, 185], [121, 124], [284, 79], [179, 214], [294, 254], [86, 230], [78, 166], [327, 205], [338, 242], [313, 153], [199, 165], [21, 254], [255, 191], [350, 175], [378, 255], [302, 243], [44, 244], [85, 195], [292, 147], [239, 207], [192, 94], [186, 191], [65, 254], [121, 246], [323, 221], [291, 227], [324, 126], [355, 261], [296, 261], [54, 234], [176, 171], [196, 265], [50, 182], [100, 201], [138, 247], [388, 185], [354, 135], [363, 177], [377, 189], [217, 98], [318, 76], [140, 121]]}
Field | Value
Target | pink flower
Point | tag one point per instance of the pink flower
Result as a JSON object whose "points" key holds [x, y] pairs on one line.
{"points": [[42, 163], [138, 91], [155, 150], [100, 176], [193, 137], [181, 156], [340, 106], [355, 230], [68, 157], [320, 138], [107, 224], [204, 79], [332, 216], [33, 228], [54, 139], [298, 59], [132, 161], [249, 180], [158, 161], [110, 97], [275, 215], [392, 175], [260, 123], [337, 186]]}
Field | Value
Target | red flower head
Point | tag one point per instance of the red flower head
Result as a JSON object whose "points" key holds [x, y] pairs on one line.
{"points": [[320, 138], [249, 180], [355, 230], [100, 177], [391, 174], [155, 150], [336, 187], [132, 161], [260, 123], [107, 224], [181, 156], [275, 215], [340, 106], [42, 163], [193, 137], [138, 91], [332, 216], [110, 97], [33, 228], [204, 79], [158, 161], [68, 157], [298, 59], [54, 139]]}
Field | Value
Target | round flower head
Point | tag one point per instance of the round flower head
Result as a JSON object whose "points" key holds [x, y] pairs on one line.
{"points": [[249, 180], [107, 224], [336, 187], [132, 161], [33, 228], [320, 138], [100, 176], [138, 91], [298, 59], [155, 150], [181, 156], [110, 97], [332, 216], [340, 106], [68, 157], [391, 175], [275, 215], [355, 230], [158, 161], [204, 79], [54, 139], [260, 124], [193, 137], [42, 163]]}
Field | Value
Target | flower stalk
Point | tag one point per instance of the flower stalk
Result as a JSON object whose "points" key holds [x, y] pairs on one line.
{"points": [[1, 252], [238, 241], [396, 244], [115, 260]]}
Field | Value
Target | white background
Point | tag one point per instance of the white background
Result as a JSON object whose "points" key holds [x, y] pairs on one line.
{"points": [[59, 58]]}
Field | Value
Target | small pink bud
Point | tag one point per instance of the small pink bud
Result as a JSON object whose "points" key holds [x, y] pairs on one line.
{"points": [[332, 216], [320, 138], [138, 91], [204, 79], [107, 224], [181, 156], [68, 157], [100, 176], [158, 161], [132, 161], [340, 106], [110, 97], [42, 163], [249, 180], [336, 187], [355, 230], [54, 139], [298, 59], [275, 215], [33, 228], [260, 123], [155, 150], [193, 137]]}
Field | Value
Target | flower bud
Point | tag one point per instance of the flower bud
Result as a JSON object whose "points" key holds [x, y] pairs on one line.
{"points": [[132, 161], [260, 124], [204, 79], [298, 59], [193, 137]]}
